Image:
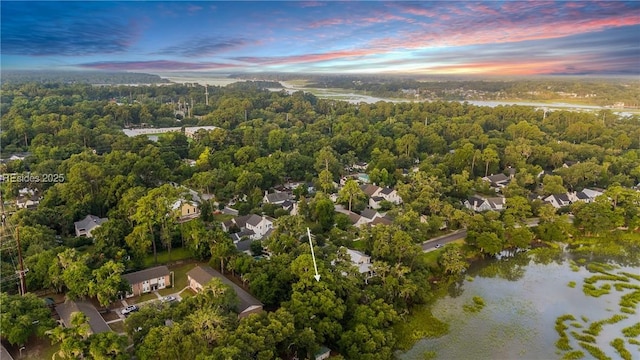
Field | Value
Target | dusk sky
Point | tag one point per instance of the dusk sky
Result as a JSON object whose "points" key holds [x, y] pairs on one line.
{"points": [[484, 38]]}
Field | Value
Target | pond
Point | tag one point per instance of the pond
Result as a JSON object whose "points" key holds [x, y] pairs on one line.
{"points": [[522, 302]]}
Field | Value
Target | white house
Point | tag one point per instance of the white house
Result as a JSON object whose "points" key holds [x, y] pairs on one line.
{"points": [[377, 194], [85, 226], [559, 200], [361, 260], [252, 226], [480, 204]]}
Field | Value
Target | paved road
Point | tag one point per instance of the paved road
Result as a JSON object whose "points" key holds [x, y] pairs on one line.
{"points": [[444, 239], [431, 244]]}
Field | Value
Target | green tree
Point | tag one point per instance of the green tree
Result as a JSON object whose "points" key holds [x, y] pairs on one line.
{"points": [[350, 192], [452, 260], [23, 316], [107, 283]]}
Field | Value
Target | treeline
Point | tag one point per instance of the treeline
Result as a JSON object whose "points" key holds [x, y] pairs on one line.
{"points": [[79, 77], [433, 153]]}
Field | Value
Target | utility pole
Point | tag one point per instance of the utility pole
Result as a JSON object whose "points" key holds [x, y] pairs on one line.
{"points": [[21, 272]]}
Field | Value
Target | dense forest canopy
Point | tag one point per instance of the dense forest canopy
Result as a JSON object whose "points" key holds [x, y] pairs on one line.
{"points": [[81, 77], [434, 154]]}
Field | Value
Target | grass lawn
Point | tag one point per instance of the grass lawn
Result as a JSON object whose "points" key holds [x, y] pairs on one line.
{"points": [[187, 293], [37, 349], [117, 327], [163, 257], [180, 277], [358, 245], [431, 258], [141, 298], [222, 217]]}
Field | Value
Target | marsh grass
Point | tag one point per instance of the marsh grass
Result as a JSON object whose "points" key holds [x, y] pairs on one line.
{"points": [[618, 344], [571, 284], [632, 331], [477, 305], [573, 355], [418, 325], [595, 351]]}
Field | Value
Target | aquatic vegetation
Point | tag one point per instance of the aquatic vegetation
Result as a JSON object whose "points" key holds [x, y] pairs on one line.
{"points": [[478, 304], [591, 290], [573, 355], [633, 276], [627, 310], [596, 326], [429, 355], [576, 325], [632, 331], [630, 300], [594, 351], [563, 342], [584, 318], [419, 325], [585, 338], [618, 344], [571, 284], [634, 342]]}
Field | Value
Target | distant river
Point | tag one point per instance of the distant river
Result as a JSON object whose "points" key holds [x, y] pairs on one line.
{"points": [[523, 300]]}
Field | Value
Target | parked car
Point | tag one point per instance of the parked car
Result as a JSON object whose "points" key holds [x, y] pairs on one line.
{"points": [[129, 309], [169, 298], [438, 246]]}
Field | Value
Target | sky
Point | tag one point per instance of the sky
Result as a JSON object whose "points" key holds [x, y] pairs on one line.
{"points": [[394, 37]]}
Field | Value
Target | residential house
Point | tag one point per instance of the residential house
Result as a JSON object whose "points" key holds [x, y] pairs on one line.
{"points": [[390, 195], [588, 195], [277, 198], [322, 354], [375, 202], [96, 322], [370, 190], [559, 200], [199, 276], [148, 280], [370, 215], [377, 194], [479, 204], [497, 181], [186, 210], [27, 201], [85, 226], [362, 261], [253, 226]]}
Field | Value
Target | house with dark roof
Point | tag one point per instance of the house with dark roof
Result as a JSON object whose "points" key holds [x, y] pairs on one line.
{"points": [[370, 214], [85, 226], [558, 200], [498, 180], [254, 226], [276, 198], [199, 276], [377, 194], [148, 280], [96, 322], [479, 204]]}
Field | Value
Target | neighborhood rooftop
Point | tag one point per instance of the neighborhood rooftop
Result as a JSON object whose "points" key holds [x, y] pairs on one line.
{"points": [[146, 274]]}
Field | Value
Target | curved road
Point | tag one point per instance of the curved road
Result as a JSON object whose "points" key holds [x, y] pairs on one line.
{"points": [[431, 244]]}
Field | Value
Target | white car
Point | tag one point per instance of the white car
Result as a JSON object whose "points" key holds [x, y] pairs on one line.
{"points": [[129, 309], [438, 246], [169, 298]]}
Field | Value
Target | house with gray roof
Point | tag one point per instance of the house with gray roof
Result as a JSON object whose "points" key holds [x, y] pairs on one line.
{"points": [[276, 198], [148, 280], [85, 226], [96, 322], [199, 276]]}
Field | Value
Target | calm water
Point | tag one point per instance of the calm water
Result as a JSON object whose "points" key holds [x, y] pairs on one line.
{"points": [[523, 300]]}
